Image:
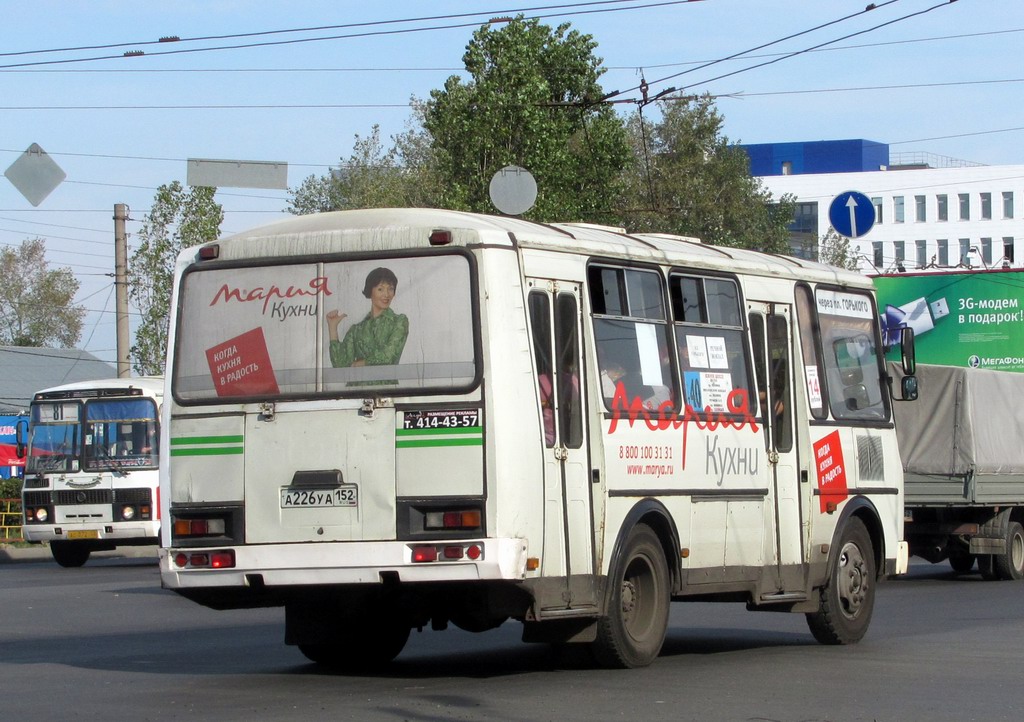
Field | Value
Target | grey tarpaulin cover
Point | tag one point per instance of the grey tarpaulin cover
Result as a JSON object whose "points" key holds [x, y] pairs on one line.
{"points": [[964, 420]]}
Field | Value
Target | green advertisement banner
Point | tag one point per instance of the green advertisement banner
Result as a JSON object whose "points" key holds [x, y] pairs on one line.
{"points": [[969, 318]]}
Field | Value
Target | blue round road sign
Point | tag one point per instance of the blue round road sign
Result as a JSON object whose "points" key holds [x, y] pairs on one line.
{"points": [[852, 214]]}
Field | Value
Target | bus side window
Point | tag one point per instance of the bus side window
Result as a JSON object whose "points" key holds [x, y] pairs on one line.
{"points": [[567, 380], [781, 366], [631, 335], [540, 322], [814, 375], [708, 324]]}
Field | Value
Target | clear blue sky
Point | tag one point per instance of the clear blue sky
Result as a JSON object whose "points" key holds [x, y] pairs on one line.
{"points": [[946, 81]]}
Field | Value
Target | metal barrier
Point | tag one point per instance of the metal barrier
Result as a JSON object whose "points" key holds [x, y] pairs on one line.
{"points": [[10, 520]]}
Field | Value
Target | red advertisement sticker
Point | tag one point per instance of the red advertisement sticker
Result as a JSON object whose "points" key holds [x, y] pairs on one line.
{"points": [[241, 366], [831, 470]]}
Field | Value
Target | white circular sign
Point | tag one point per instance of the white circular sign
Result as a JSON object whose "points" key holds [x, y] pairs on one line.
{"points": [[513, 190]]}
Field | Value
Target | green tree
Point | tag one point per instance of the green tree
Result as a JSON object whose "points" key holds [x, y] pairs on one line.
{"points": [[373, 177], [687, 178], [834, 250], [179, 219], [531, 100], [36, 302]]}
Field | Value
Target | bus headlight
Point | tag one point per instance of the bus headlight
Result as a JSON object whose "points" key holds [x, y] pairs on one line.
{"points": [[41, 514], [128, 512]]}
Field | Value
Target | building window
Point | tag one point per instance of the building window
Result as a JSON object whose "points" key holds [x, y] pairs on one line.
{"points": [[877, 203], [965, 206], [986, 206], [943, 203], [900, 251], [986, 251], [897, 209], [943, 251], [1008, 249], [878, 259], [1007, 204], [919, 209], [787, 167], [921, 250], [965, 249]]}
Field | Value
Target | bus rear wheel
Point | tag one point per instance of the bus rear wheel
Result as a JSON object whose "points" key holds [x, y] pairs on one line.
{"points": [[636, 617], [848, 597], [69, 554], [362, 650]]}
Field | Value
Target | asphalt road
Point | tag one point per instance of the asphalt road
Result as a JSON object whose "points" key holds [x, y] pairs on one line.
{"points": [[105, 642]]}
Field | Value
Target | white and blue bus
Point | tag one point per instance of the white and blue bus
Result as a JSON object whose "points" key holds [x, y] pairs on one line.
{"points": [[387, 419], [91, 475]]}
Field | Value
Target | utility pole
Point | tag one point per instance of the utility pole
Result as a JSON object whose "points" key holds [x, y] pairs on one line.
{"points": [[121, 289]]}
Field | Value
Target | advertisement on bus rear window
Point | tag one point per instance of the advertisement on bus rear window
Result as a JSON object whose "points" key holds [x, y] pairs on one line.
{"points": [[969, 318], [383, 326]]}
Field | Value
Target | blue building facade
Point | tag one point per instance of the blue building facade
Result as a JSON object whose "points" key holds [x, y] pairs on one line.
{"points": [[822, 156]]}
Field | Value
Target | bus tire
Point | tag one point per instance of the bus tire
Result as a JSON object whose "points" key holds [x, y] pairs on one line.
{"points": [[848, 597], [636, 614], [69, 554], [1010, 564], [364, 650]]}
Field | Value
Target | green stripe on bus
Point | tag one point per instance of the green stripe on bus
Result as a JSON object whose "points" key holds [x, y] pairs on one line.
{"points": [[208, 451], [440, 431], [193, 440], [414, 443]]}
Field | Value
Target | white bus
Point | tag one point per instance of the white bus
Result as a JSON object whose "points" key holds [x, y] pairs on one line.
{"points": [[385, 419], [91, 475]]}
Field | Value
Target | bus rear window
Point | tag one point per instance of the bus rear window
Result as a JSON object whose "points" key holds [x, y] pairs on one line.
{"points": [[383, 326]]}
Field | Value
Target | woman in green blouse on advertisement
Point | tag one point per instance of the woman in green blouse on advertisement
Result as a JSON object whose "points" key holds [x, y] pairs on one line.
{"points": [[379, 338]]}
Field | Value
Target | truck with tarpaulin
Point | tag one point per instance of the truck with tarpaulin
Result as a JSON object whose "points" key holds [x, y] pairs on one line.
{"points": [[960, 443]]}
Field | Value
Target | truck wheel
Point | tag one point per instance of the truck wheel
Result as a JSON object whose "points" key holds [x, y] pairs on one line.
{"points": [[1010, 565], [636, 614], [365, 651], [848, 597], [962, 563], [987, 567], [69, 554]]}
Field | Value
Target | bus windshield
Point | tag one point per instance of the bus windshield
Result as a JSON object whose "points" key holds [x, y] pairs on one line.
{"points": [[54, 442], [383, 326], [120, 433]]}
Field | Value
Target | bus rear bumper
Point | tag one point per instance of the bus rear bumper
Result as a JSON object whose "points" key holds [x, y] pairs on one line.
{"points": [[338, 563]]}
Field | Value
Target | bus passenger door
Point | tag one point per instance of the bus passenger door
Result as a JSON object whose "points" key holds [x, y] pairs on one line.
{"points": [[773, 362], [568, 539]]}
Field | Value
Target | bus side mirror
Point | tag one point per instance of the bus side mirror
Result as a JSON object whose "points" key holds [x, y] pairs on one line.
{"points": [[908, 388], [20, 432], [909, 355]]}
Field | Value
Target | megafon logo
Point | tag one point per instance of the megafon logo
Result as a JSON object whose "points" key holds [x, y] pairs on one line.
{"points": [[974, 361]]}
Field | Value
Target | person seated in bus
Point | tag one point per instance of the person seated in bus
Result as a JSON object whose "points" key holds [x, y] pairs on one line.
{"points": [[614, 371], [377, 340]]}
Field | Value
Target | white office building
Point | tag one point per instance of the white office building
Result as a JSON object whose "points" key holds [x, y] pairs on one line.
{"points": [[926, 217]]}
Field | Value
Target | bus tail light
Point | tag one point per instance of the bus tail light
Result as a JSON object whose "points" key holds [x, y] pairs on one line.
{"points": [[198, 527], [440, 238], [424, 554], [472, 551], [462, 519], [221, 559]]}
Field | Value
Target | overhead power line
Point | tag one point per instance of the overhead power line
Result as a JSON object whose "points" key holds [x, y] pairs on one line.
{"points": [[317, 28], [869, 8], [373, 33]]}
